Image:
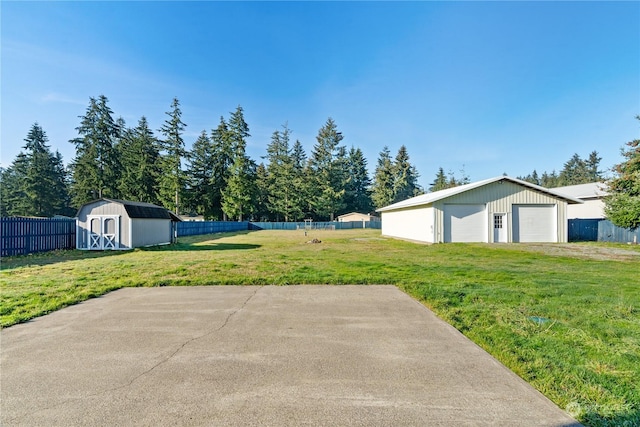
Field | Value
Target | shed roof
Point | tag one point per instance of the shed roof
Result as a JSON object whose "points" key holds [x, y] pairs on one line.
{"points": [[426, 199], [142, 209]]}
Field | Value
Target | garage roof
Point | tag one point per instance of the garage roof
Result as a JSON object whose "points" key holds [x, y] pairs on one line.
{"points": [[426, 199]]}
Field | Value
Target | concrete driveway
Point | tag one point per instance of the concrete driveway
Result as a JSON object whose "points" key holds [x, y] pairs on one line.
{"points": [[257, 356]]}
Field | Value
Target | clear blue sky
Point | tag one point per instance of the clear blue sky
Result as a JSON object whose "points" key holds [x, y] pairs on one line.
{"points": [[494, 86]]}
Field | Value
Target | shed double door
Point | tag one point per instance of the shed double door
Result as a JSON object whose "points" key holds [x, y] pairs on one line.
{"points": [[104, 232]]}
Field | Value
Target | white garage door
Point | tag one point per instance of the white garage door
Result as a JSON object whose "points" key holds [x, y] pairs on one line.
{"points": [[465, 223], [534, 223]]}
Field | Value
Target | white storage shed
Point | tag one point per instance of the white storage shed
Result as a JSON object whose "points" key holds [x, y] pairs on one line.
{"points": [[110, 224], [501, 209]]}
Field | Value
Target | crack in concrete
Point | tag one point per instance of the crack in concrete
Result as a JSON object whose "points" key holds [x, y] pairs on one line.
{"points": [[162, 362]]}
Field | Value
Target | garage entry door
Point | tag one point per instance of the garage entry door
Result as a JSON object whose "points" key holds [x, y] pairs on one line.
{"points": [[534, 223], [465, 223]]}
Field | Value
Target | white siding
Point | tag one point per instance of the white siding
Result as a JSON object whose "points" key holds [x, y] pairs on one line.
{"points": [[590, 209], [411, 223]]}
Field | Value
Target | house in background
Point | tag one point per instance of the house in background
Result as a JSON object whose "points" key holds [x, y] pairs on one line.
{"points": [[592, 196], [109, 224], [357, 216], [501, 209]]}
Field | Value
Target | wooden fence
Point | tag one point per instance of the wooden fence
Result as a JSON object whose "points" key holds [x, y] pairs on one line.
{"points": [[22, 236], [607, 232]]}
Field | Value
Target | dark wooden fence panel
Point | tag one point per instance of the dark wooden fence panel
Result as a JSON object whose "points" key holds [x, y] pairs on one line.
{"points": [[607, 232], [22, 236], [583, 230]]}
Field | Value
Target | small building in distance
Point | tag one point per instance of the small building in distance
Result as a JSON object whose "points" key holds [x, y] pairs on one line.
{"points": [[357, 216], [110, 224], [592, 196]]}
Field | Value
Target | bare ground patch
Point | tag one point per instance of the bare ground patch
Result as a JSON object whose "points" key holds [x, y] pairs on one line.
{"points": [[593, 251]]}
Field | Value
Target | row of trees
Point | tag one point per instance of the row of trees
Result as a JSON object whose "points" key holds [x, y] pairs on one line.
{"points": [[216, 178], [574, 171]]}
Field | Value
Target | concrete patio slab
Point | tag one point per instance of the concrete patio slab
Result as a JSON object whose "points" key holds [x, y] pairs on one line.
{"points": [[257, 356]]}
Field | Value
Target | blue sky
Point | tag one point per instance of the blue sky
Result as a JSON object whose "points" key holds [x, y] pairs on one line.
{"points": [[494, 87]]}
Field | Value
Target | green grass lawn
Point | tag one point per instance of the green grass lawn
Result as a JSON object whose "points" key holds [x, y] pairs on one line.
{"points": [[566, 318]]}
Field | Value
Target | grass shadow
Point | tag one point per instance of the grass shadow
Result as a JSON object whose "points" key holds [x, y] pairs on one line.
{"points": [[201, 247], [54, 257]]}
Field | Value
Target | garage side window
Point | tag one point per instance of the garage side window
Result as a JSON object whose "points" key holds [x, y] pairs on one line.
{"points": [[497, 221]]}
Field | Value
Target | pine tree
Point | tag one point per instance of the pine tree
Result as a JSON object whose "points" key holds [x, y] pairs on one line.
{"points": [[261, 202], [95, 168], [284, 198], [36, 182], [441, 182], [221, 163], [594, 174], [139, 153], [200, 182], [358, 189], [173, 177], [622, 206], [405, 183], [574, 172], [383, 181], [328, 173], [238, 195]]}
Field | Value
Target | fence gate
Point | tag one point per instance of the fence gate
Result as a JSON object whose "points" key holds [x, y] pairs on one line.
{"points": [[104, 232]]}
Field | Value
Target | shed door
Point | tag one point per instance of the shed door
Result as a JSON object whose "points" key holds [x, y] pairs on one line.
{"points": [[465, 223], [104, 232], [534, 223]]}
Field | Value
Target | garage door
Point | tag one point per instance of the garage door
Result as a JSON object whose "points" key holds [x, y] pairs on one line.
{"points": [[534, 223], [465, 223]]}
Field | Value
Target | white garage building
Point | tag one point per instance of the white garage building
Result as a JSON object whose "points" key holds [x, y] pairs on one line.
{"points": [[500, 209]]}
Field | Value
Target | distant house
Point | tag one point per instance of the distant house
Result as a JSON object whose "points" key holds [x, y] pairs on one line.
{"points": [[500, 209], [357, 216], [109, 224], [592, 196]]}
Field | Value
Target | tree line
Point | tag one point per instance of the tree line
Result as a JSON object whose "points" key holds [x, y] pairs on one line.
{"points": [[218, 180], [215, 179]]}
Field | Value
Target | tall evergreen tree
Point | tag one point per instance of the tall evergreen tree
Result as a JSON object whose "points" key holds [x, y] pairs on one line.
{"points": [[261, 202], [172, 180], [95, 167], [200, 182], [328, 173], [358, 189], [221, 163], [622, 206], [139, 153], [405, 184], [383, 180], [36, 182], [441, 182], [594, 174], [238, 195], [574, 172], [284, 198]]}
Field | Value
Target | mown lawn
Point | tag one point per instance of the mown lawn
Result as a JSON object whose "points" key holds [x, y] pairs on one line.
{"points": [[566, 318]]}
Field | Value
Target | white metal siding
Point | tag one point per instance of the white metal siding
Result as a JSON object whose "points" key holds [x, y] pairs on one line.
{"points": [[534, 223], [410, 223], [465, 223], [501, 197]]}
